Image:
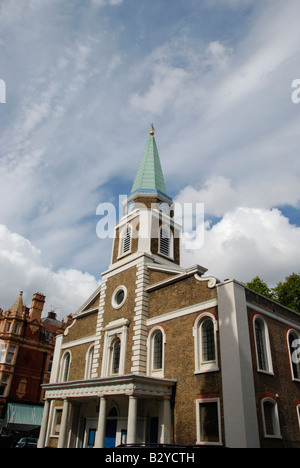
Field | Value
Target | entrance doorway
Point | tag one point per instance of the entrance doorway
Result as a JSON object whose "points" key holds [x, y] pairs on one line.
{"points": [[153, 430], [110, 433], [91, 438], [111, 428]]}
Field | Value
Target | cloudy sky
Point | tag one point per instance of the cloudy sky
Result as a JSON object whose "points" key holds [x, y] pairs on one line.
{"points": [[84, 79]]}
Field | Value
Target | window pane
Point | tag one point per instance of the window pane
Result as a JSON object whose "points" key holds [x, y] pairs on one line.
{"points": [[208, 341], [116, 357], [120, 297], [209, 422], [3, 385], [261, 345], [2, 352], [89, 363], [57, 422], [66, 367], [295, 365], [10, 354], [157, 351], [269, 417]]}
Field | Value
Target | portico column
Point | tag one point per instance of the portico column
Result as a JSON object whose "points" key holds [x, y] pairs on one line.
{"points": [[63, 425], [132, 420], [44, 425], [100, 435], [166, 423]]}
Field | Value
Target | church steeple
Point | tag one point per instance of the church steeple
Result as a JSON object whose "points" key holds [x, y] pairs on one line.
{"points": [[149, 177], [147, 226]]}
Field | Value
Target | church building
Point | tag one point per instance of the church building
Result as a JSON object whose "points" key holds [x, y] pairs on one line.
{"points": [[165, 354]]}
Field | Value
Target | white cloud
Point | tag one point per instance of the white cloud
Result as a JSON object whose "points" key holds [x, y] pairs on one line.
{"points": [[102, 3], [82, 86], [248, 242], [220, 196], [218, 54], [22, 268], [235, 4], [164, 89], [272, 41]]}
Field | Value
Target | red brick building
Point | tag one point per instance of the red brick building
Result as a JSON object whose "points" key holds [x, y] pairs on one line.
{"points": [[163, 353], [26, 352]]}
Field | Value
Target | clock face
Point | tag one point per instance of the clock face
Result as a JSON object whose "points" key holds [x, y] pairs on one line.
{"points": [[164, 208], [130, 206]]}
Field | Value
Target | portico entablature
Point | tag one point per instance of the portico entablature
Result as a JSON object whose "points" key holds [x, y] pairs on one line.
{"points": [[139, 386]]}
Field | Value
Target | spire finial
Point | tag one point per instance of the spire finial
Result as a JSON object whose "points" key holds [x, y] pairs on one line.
{"points": [[152, 130]]}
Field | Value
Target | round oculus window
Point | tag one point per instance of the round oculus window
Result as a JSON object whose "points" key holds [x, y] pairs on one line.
{"points": [[119, 297]]}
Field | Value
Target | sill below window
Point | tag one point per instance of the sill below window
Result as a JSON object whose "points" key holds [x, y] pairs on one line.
{"points": [[265, 372], [205, 371]]}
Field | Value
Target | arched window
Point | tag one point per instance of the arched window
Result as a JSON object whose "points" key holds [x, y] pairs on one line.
{"points": [[270, 418], [262, 345], [125, 240], [165, 241], [205, 338], [157, 351], [89, 362], [114, 348], [156, 342], [293, 344], [65, 366], [115, 356], [208, 350]]}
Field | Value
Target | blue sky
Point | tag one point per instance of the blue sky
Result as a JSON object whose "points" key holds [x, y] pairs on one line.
{"points": [[84, 79]]}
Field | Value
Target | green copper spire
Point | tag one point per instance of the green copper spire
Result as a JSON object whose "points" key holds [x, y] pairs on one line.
{"points": [[149, 177]]}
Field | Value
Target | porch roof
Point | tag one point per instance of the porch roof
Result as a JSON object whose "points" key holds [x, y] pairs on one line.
{"points": [[132, 384]]}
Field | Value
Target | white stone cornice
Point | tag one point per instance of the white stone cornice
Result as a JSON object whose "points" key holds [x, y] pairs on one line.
{"points": [[122, 385]]}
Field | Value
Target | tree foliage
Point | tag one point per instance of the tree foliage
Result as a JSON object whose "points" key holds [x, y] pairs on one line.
{"points": [[286, 293]]}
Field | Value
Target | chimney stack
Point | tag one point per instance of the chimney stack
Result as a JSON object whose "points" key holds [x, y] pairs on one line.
{"points": [[37, 306]]}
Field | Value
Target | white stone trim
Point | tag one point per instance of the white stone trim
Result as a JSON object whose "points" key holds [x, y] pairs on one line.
{"points": [[99, 326], [201, 367], [120, 385], [114, 303], [80, 341], [273, 316], [139, 364], [239, 399], [268, 350], [199, 438], [150, 353], [117, 328]]}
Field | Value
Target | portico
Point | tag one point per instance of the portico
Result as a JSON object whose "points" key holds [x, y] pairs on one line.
{"points": [[124, 407]]}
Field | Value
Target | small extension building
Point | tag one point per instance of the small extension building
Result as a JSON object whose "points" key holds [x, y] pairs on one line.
{"points": [[165, 354]]}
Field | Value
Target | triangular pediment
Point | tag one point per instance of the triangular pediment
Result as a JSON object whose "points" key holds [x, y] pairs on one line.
{"points": [[91, 304]]}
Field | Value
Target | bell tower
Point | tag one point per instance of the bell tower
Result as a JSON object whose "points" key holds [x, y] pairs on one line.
{"points": [[147, 225]]}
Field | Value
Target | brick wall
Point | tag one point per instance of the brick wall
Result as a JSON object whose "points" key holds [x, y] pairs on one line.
{"points": [[280, 386]]}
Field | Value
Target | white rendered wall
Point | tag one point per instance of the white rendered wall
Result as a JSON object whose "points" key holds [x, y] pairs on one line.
{"points": [[241, 425]]}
